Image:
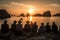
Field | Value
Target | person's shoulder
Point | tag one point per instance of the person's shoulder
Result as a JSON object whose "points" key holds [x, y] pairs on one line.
{"points": [[12, 24], [52, 25], [40, 26], [56, 24], [25, 24], [20, 24], [16, 24], [36, 25], [7, 24], [2, 24]]}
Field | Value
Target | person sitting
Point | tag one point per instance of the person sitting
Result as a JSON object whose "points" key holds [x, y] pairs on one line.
{"points": [[13, 27], [42, 28], [48, 27], [54, 27], [34, 27], [31, 25], [27, 27], [19, 28], [5, 27]]}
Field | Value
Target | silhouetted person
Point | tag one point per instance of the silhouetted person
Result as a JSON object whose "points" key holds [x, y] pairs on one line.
{"points": [[31, 25], [13, 27], [21, 19], [27, 27], [19, 28], [54, 27], [4, 27], [59, 27], [48, 27], [34, 27], [42, 28]]}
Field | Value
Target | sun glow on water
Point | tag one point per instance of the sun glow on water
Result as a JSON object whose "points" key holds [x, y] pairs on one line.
{"points": [[30, 18]]}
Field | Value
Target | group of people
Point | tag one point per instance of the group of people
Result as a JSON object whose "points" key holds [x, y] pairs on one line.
{"points": [[28, 27]]}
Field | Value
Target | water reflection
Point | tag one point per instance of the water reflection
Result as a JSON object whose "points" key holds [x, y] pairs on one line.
{"points": [[30, 18]]}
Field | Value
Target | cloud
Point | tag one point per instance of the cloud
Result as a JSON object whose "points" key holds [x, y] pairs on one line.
{"points": [[31, 3], [20, 4], [55, 5], [39, 1]]}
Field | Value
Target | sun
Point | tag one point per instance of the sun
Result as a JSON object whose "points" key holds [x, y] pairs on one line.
{"points": [[31, 11]]}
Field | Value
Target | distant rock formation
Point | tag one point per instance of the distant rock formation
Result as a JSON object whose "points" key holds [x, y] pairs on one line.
{"points": [[4, 14], [21, 15], [47, 14], [27, 15], [38, 15], [58, 14]]}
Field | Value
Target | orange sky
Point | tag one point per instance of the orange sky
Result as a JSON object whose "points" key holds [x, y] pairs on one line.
{"points": [[30, 7]]}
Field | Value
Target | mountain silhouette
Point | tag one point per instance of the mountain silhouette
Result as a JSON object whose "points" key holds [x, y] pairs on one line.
{"points": [[47, 14], [37, 15], [58, 14], [21, 15], [4, 14]]}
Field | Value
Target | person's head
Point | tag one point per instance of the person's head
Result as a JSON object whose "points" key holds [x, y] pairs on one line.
{"points": [[53, 22], [31, 22], [19, 22], [42, 24], [5, 21], [15, 22], [21, 19], [47, 23], [27, 22], [35, 23]]}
